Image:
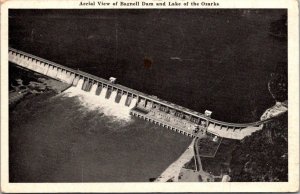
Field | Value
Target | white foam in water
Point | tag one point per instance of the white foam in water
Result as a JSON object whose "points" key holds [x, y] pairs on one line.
{"points": [[113, 96], [123, 99], [118, 111], [133, 103], [79, 84], [103, 93], [94, 88]]}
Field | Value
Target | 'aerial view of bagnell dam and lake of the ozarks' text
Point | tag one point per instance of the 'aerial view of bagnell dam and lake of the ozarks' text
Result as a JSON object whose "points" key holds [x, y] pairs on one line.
{"points": [[148, 95]]}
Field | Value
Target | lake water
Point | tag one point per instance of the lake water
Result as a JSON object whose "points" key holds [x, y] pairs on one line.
{"points": [[218, 60]]}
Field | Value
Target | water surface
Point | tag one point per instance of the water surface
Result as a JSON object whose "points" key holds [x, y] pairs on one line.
{"points": [[59, 139]]}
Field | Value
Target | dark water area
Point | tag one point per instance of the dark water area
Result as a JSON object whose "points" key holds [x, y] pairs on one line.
{"points": [[16, 73], [55, 139], [220, 60]]}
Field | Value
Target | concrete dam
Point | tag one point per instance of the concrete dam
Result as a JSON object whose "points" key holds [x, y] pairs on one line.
{"points": [[144, 106]]}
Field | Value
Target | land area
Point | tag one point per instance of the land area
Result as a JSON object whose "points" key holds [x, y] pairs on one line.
{"points": [[253, 159]]}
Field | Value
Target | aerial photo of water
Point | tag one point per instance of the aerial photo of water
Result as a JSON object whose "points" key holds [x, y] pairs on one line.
{"points": [[218, 60]]}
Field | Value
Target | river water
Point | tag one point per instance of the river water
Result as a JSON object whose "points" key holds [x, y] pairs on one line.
{"points": [[201, 59], [77, 137]]}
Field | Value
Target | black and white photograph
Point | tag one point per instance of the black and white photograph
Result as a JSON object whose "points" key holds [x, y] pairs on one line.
{"points": [[148, 95]]}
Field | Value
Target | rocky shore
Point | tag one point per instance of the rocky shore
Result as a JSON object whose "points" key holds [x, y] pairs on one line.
{"points": [[35, 84]]}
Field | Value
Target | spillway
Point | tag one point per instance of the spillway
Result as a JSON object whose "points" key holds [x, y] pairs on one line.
{"points": [[94, 88], [75, 82], [123, 99], [79, 84], [103, 93], [133, 103], [113, 96]]}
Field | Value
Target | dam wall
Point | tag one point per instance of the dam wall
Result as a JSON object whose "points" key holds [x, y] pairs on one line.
{"points": [[148, 107], [85, 81]]}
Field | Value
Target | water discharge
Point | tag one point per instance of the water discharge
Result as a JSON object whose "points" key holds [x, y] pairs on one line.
{"points": [[103, 93], [80, 83], [85, 132], [109, 107], [123, 99], [94, 88], [113, 96], [133, 103]]}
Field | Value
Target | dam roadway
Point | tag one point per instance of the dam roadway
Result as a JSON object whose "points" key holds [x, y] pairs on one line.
{"points": [[148, 107]]}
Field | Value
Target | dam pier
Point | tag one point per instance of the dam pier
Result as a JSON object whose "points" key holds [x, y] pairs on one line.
{"points": [[141, 105]]}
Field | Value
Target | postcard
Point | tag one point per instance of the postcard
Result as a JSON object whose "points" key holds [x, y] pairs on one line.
{"points": [[149, 96]]}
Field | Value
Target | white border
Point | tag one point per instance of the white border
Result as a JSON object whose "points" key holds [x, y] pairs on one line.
{"points": [[293, 119]]}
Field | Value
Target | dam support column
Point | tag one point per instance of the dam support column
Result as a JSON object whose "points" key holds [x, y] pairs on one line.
{"points": [[129, 99], [99, 88], [84, 84]]}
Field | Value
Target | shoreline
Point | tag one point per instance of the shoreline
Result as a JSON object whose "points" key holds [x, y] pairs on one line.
{"points": [[33, 83], [173, 170]]}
